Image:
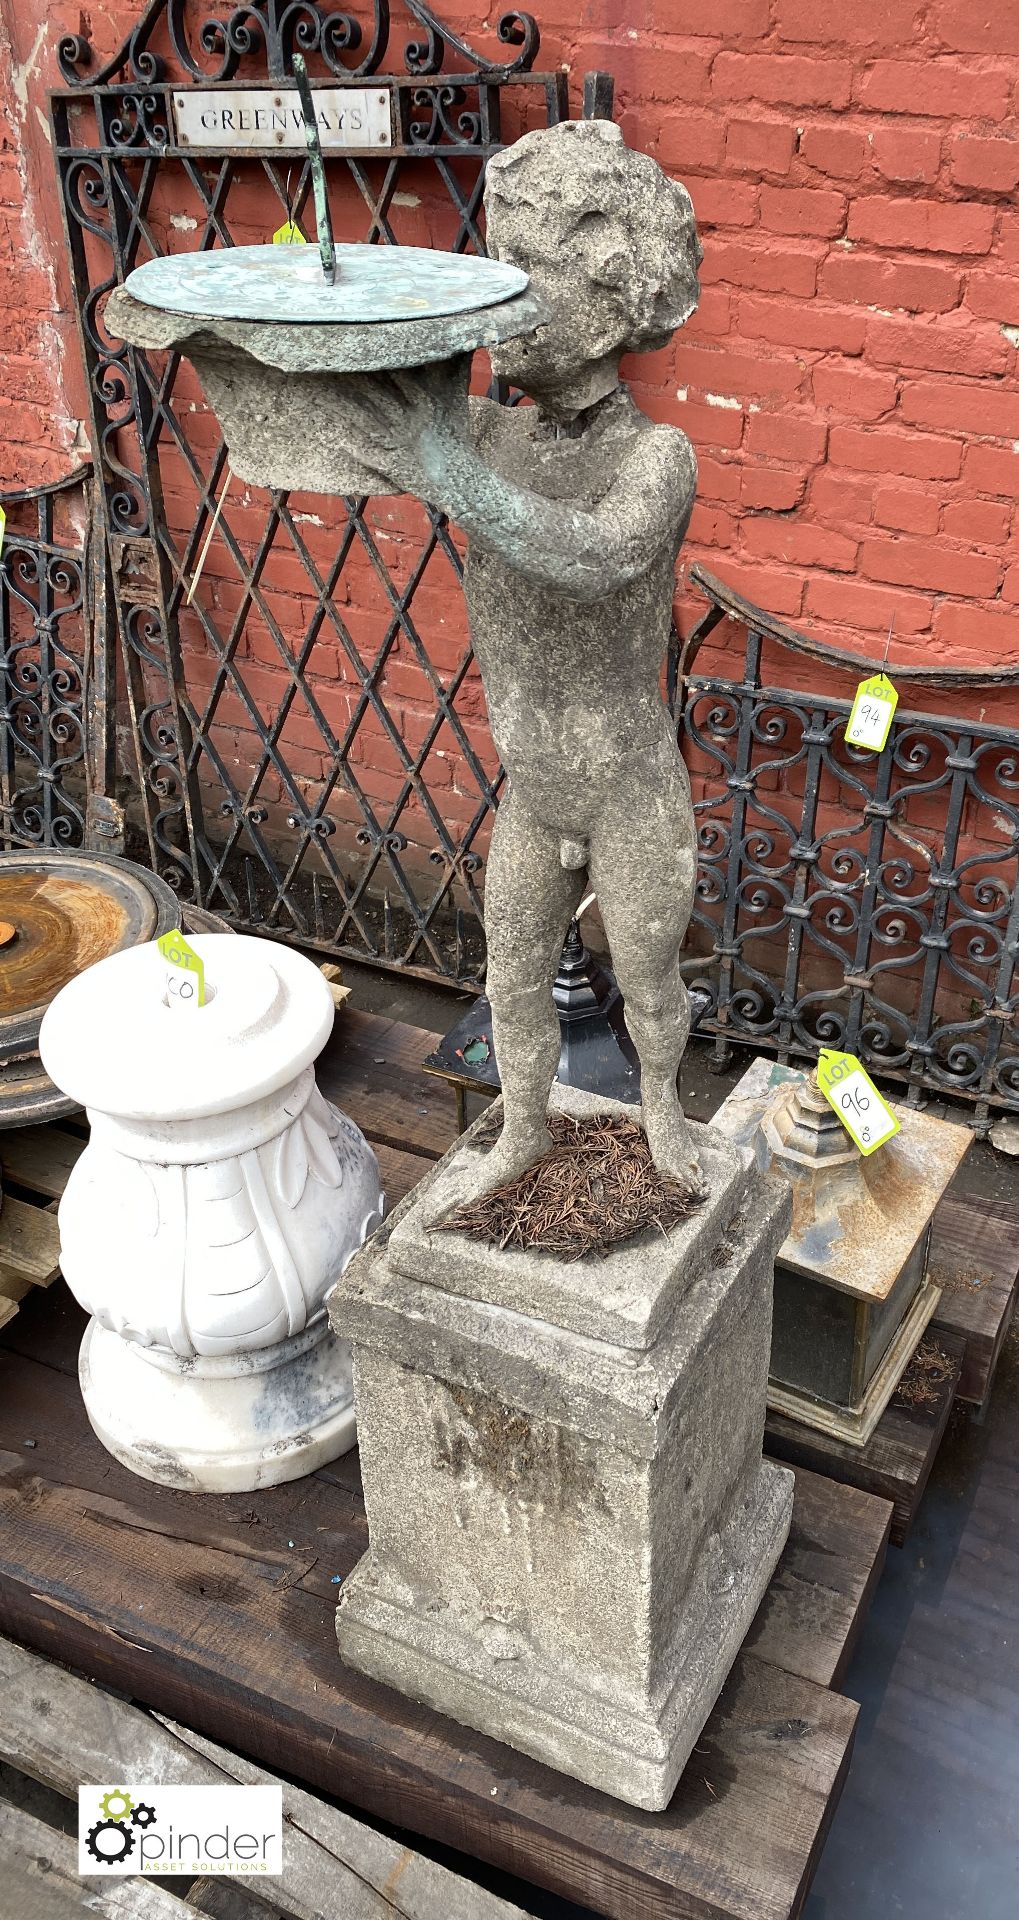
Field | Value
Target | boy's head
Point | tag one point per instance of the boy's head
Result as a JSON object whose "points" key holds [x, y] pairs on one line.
{"points": [[607, 239]]}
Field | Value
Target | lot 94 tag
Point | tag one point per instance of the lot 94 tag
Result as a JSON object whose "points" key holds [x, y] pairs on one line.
{"points": [[185, 971], [873, 712], [851, 1093], [289, 235]]}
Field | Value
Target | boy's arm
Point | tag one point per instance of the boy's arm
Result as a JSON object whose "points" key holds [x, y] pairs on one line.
{"points": [[582, 554], [420, 435]]}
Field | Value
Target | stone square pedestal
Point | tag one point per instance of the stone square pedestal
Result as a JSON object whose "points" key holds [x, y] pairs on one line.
{"points": [[571, 1525]]}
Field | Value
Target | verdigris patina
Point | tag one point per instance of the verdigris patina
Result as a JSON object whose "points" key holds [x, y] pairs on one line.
{"points": [[575, 510]]}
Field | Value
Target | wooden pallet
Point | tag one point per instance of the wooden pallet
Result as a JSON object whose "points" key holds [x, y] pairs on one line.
{"points": [[65, 1732], [36, 1162], [218, 1611]]}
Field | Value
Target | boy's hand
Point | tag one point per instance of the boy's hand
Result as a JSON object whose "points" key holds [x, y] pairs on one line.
{"points": [[407, 425]]}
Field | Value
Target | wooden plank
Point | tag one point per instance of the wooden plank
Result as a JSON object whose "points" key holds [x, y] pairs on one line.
{"points": [[205, 1611], [39, 1869], [29, 1241], [40, 1158], [897, 1459], [400, 1171], [975, 1260], [323, 1843], [14, 1286], [49, 1327], [827, 1577], [372, 1068], [60, 1730], [226, 1900]]}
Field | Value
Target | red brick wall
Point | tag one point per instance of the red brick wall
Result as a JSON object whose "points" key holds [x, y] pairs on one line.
{"points": [[850, 380], [41, 388]]}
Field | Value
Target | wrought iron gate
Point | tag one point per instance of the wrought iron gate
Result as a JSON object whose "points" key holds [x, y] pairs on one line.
{"points": [[295, 755], [50, 734]]}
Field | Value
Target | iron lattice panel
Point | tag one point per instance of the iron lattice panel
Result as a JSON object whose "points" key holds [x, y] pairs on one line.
{"points": [[856, 900], [311, 748], [43, 634]]}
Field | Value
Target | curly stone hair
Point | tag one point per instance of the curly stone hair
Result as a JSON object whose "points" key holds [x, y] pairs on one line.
{"points": [[633, 224]]}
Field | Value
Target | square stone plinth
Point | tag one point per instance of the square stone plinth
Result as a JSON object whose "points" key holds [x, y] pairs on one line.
{"points": [[569, 1533]]}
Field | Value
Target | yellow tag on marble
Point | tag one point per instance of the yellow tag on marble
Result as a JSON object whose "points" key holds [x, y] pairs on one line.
{"points": [[851, 1093], [3, 528], [873, 712], [289, 235], [185, 971]]}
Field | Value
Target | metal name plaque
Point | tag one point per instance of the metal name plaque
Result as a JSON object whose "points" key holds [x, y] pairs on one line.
{"points": [[260, 119]]}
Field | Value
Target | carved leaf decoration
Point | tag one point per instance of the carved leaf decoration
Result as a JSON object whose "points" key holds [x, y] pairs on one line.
{"points": [[138, 1190], [325, 1163], [292, 1165], [322, 1110]]}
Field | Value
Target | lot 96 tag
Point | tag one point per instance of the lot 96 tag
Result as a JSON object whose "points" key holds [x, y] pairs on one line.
{"points": [[185, 971], [873, 712], [289, 235], [851, 1093]]}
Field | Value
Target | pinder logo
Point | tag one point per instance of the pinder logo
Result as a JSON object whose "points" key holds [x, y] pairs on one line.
{"points": [[167, 1829]]}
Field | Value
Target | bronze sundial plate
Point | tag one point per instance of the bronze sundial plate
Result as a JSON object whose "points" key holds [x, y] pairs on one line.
{"points": [[60, 912], [287, 283], [388, 307]]}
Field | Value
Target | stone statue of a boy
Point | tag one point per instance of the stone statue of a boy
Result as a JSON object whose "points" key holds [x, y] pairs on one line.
{"points": [[575, 510]]}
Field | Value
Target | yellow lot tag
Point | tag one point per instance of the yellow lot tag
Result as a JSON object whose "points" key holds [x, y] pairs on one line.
{"points": [[289, 235], [873, 713], [185, 971], [850, 1091], [3, 528]]}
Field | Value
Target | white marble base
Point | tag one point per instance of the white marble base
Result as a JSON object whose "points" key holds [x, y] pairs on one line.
{"points": [[226, 1424], [218, 1201]]}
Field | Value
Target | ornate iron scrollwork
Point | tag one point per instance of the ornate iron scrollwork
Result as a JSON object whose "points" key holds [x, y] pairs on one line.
{"points": [[850, 899], [43, 621], [272, 31]]}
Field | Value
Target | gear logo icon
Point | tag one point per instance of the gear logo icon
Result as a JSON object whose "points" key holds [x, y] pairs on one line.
{"points": [[109, 1841], [116, 1804], [142, 1815]]}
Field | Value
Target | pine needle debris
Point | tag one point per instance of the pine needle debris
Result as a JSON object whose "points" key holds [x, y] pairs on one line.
{"points": [[596, 1188]]}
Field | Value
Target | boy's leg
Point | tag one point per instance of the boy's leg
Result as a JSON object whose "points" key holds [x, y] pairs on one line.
{"points": [[643, 868], [529, 902]]}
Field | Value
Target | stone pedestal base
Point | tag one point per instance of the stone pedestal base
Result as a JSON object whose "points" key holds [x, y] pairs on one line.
{"points": [[636, 1754], [571, 1524], [226, 1425]]}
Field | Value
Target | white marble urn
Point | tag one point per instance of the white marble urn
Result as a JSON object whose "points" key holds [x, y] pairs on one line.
{"points": [[218, 1201]]}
